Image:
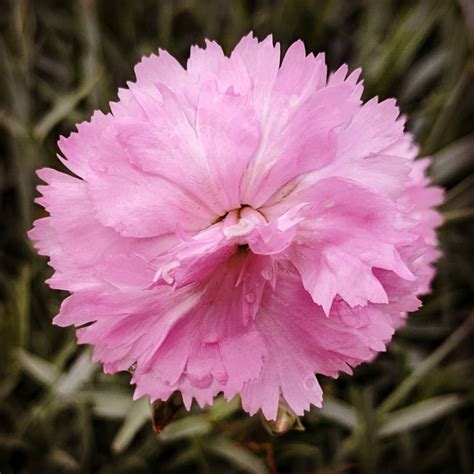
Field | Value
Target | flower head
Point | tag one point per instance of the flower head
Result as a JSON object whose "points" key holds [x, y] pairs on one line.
{"points": [[239, 226]]}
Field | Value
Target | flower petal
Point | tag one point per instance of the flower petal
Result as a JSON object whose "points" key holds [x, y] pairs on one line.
{"points": [[303, 342], [229, 133]]}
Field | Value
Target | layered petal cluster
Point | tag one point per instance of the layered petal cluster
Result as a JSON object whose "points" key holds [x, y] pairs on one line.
{"points": [[239, 226]]}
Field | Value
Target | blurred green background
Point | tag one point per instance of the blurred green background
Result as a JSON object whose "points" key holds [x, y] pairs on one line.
{"points": [[411, 411]]}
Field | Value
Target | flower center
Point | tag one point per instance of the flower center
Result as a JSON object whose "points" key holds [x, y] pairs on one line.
{"points": [[242, 221]]}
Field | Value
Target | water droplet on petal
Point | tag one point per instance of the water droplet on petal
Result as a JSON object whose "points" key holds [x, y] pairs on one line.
{"points": [[250, 298], [267, 274], [293, 102], [310, 383]]}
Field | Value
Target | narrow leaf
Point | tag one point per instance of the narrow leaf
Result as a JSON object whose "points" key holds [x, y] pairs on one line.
{"points": [[40, 369], [236, 455], [80, 372], [338, 411], [137, 416], [419, 414], [185, 428]]}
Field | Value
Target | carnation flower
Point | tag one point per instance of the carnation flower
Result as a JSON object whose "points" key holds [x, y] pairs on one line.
{"points": [[239, 226]]}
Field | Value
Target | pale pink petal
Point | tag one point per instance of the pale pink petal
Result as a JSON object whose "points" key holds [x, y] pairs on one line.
{"points": [[229, 132], [261, 61], [204, 64], [300, 75], [373, 129], [306, 342], [306, 143], [146, 206], [331, 260], [169, 148]]}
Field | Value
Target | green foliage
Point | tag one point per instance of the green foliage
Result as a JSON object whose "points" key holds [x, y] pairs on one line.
{"points": [[408, 411]]}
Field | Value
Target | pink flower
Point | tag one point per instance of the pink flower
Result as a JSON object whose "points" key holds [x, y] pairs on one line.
{"points": [[239, 226]]}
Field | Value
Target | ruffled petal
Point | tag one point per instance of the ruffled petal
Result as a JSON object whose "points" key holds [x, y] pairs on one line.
{"points": [[196, 336], [262, 61], [304, 143], [303, 342], [132, 201], [346, 232], [66, 235], [229, 133]]}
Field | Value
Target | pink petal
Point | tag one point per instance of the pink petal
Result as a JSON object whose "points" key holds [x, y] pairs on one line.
{"points": [[304, 342], [229, 132], [305, 143]]}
